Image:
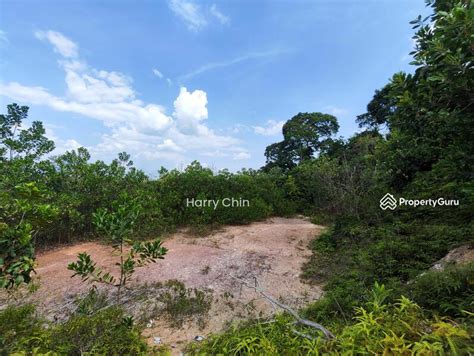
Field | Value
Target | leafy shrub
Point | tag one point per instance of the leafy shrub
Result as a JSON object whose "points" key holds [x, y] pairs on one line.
{"points": [[377, 328], [450, 291], [106, 332], [181, 303], [92, 302], [19, 327], [351, 256]]}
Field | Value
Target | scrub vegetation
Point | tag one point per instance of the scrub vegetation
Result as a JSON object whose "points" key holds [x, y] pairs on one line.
{"points": [[380, 295]]}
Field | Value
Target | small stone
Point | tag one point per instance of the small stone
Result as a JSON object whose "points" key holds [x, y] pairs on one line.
{"points": [[199, 338], [150, 323], [156, 340]]}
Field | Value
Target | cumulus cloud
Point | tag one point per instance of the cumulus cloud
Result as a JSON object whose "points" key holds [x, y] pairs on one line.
{"points": [[189, 12], [143, 129], [190, 109], [271, 128], [223, 19]]}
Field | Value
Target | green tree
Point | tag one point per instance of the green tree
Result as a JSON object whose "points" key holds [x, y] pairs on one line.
{"points": [[18, 142], [304, 135], [24, 207]]}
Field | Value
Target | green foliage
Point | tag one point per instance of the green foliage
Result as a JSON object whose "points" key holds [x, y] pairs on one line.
{"points": [[117, 226], [105, 332], [378, 327], [108, 331], [23, 213], [303, 136], [426, 151], [181, 303], [17, 142], [17, 325], [351, 257], [450, 291]]}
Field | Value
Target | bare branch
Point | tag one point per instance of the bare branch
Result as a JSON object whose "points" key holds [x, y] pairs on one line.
{"points": [[293, 313]]}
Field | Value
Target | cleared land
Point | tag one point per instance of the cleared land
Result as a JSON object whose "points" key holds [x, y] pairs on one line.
{"points": [[271, 251]]}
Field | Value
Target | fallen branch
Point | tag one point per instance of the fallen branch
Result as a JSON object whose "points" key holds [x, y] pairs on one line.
{"points": [[293, 313]]}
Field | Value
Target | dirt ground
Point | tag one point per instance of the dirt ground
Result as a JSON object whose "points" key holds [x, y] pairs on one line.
{"points": [[271, 251]]}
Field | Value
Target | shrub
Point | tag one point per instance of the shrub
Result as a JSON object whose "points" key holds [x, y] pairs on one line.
{"points": [[106, 332], [378, 327], [450, 291], [19, 328], [181, 303]]}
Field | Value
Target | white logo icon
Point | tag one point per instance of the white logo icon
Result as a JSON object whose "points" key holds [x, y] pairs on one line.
{"points": [[388, 202]]}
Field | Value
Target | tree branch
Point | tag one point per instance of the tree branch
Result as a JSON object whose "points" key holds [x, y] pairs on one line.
{"points": [[293, 313]]}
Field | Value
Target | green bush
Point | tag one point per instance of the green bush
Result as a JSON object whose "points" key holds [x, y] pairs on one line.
{"points": [[450, 291], [106, 332], [20, 328], [181, 303], [376, 328]]}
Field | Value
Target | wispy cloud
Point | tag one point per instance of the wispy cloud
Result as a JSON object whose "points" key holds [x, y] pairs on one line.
{"points": [[189, 12], [3, 37], [226, 63], [336, 111], [223, 19], [62, 44], [195, 17], [157, 73], [160, 75]]}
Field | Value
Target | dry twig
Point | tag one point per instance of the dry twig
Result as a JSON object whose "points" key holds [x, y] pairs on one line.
{"points": [[293, 313]]}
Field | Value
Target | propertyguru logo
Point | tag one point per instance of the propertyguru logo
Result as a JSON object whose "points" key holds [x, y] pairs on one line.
{"points": [[388, 201]]}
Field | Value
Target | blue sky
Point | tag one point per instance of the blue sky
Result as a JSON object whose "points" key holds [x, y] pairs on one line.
{"points": [[174, 81]]}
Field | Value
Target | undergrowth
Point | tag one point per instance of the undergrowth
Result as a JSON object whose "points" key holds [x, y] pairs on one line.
{"points": [[378, 327]]}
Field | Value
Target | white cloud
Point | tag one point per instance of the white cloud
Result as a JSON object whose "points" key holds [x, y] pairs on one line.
{"points": [[222, 64], [62, 45], [157, 73], [271, 128], [223, 19], [190, 12], [241, 156], [336, 111], [143, 129], [168, 80], [61, 145], [3, 37], [190, 110]]}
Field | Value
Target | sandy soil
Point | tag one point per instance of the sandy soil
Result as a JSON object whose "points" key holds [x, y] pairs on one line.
{"points": [[272, 251]]}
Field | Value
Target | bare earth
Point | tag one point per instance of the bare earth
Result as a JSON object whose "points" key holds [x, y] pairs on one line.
{"points": [[271, 251]]}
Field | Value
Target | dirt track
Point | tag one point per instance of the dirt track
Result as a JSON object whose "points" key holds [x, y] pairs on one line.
{"points": [[272, 251]]}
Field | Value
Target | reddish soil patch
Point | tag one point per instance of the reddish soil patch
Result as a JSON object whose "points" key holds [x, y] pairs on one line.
{"points": [[272, 251]]}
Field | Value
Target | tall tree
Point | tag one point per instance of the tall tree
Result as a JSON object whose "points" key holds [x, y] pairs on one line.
{"points": [[304, 135]]}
